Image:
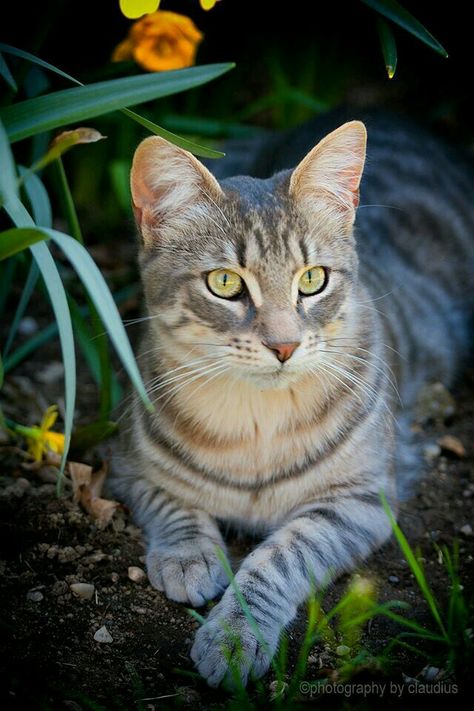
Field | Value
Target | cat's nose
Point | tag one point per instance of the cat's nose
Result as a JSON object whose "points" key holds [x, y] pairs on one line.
{"points": [[283, 351]]}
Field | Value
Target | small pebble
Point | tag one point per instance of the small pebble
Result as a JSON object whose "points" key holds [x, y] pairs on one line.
{"points": [[343, 650], [115, 577], [393, 579], [431, 451], [34, 595], [466, 530], [83, 590], [430, 673], [136, 574], [103, 636]]}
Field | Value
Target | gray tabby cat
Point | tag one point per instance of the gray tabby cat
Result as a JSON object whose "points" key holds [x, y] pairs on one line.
{"points": [[274, 335]]}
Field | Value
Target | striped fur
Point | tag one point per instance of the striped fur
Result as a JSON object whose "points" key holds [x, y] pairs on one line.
{"points": [[297, 451]]}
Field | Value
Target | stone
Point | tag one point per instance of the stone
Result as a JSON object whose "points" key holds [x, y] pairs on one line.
{"points": [[85, 591], [103, 636]]}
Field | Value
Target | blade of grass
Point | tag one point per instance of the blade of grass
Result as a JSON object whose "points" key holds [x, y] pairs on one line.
{"points": [[414, 565], [28, 289], [102, 299], [7, 75], [16, 239], [51, 331], [8, 179], [72, 106], [188, 145], [54, 286], [37, 197], [389, 47], [153, 127], [400, 16]]}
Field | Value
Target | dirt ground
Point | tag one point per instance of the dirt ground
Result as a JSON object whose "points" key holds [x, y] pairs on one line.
{"points": [[50, 659]]}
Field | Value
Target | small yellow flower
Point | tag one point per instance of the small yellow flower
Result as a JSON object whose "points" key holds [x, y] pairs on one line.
{"points": [[136, 8], [160, 41], [207, 4], [41, 439]]}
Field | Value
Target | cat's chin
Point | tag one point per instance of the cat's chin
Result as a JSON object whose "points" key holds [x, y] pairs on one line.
{"points": [[273, 380]]}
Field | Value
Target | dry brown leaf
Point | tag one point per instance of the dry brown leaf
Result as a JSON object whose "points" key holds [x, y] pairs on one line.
{"points": [[87, 489], [80, 476], [453, 445]]}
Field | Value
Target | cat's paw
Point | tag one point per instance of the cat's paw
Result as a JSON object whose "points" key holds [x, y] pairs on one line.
{"points": [[228, 650], [189, 572]]}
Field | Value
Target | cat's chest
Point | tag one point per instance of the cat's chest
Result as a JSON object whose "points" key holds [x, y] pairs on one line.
{"points": [[250, 436]]}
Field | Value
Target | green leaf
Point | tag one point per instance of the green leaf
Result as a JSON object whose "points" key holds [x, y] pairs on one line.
{"points": [[59, 108], [85, 437], [190, 146], [28, 289], [17, 239], [8, 179], [153, 127], [415, 566], [37, 197], [7, 75], [8, 49], [100, 295], [57, 295], [389, 47], [397, 14], [54, 286]]}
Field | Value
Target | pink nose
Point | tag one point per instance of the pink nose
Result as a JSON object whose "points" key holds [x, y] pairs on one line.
{"points": [[283, 351]]}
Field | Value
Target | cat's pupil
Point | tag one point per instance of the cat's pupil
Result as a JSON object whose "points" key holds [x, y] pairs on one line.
{"points": [[224, 280]]}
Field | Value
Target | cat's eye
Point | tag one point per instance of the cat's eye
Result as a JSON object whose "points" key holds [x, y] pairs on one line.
{"points": [[312, 281], [225, 283]]}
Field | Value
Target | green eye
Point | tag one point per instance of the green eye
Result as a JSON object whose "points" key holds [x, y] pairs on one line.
{"points": [[312, 281], [224, 283]]}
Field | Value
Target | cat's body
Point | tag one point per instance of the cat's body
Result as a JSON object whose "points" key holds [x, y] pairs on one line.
{"points": [[275, 405]]}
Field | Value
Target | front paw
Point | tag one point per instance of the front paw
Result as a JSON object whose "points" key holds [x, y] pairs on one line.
{"points": [[229, 649], [189, 572]]}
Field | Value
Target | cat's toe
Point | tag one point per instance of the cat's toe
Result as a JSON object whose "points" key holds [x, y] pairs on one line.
{"points": [[227, 650], [192, 578]]}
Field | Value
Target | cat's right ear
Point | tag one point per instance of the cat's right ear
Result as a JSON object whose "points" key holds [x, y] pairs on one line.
{"points": [[169, 187]]}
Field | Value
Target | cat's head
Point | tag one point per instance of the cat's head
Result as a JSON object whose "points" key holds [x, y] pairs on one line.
{"points": [[249, 277]]}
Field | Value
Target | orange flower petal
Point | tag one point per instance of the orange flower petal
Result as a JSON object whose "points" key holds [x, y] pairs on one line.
{"points": [[123, 51]]}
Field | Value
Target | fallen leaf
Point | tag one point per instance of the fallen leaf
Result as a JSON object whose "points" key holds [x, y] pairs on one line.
{"points": [[453, 445], [87, 486]]}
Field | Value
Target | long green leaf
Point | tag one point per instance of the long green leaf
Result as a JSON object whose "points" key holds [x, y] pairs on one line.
{"points": [[8, 49], [190, 146], [37, 197], [28, 289], [99, 292], [7, 75], [153, 127], [17, 239], [72, 106], [397, 14], [8, 179], [57, 295], [49, 271], [389, 47]]}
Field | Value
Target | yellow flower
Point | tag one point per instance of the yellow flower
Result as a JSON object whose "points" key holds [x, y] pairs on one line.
{"points": [[160, 41], [136, 8], [207, 4], [41, 439]]}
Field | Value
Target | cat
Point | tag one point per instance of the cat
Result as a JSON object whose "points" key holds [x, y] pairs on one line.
{"points": [[279, 341]]}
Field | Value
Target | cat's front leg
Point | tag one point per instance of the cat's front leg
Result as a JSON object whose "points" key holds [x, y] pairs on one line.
{"points": [[181, 557], [322, 540]]}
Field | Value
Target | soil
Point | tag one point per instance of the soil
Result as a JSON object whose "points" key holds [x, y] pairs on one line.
{"points": [[51, 659]]}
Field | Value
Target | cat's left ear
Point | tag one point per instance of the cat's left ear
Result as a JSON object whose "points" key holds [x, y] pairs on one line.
{"points": [[169, 188], [329, 176]]}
